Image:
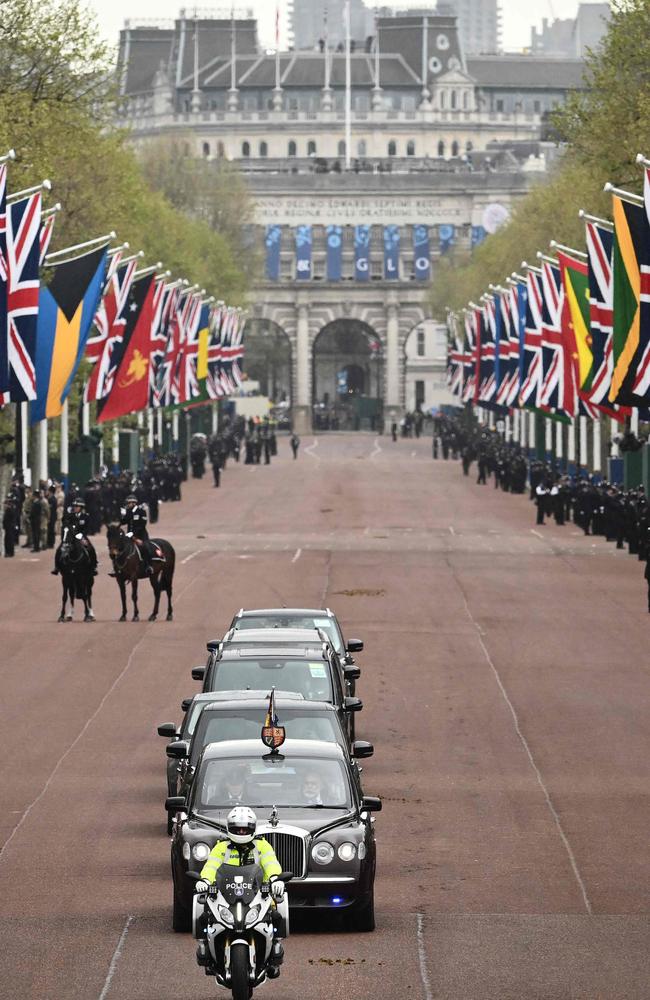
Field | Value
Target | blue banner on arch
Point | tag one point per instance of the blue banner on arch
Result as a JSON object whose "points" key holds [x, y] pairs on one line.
{"points": [[391, 252], [362, 253], [303, 252], [334, 253], [421, 253], [447, 236], [478, 235], [273, 242]]}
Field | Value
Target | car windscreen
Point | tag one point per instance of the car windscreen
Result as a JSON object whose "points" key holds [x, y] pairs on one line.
{"points": [[328, 625], [191, 719], [310, 678], [246, 724], [301, 782]]}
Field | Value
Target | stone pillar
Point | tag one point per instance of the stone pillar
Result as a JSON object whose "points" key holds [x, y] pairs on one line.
{"points": [[559, 451], [598, 465], [393, 408], [302, 423], [572, 442]]}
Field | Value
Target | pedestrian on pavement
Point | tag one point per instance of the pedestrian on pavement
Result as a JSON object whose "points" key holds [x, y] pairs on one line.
{"points": [[8, 528], [295, 444], [393, 430]]}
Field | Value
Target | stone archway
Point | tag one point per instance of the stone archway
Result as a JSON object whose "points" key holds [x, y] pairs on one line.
{"points": [[269, 360], [347, 376]]}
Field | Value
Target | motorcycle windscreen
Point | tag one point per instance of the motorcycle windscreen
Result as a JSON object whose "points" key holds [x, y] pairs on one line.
{"points": [[239, 884]]}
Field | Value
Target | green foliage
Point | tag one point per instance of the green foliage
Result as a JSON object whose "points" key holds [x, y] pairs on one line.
{"points": [[604, 127]]}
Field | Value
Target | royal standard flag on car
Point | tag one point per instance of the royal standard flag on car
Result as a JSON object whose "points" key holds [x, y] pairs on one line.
{"points": [[273, 734], [66, 310]]}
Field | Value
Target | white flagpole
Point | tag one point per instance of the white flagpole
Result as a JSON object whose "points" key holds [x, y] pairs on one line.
{"points": [[65, 455], [17, 195], [81, 246], [348, 88], [11, 155]]}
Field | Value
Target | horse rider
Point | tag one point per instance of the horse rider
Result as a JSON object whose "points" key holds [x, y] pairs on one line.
{"points": [[134, 516], [75, 520]]}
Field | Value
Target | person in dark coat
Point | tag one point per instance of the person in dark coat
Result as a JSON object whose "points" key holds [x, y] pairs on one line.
{"points": [[8, 528], [295, 444], [51, 520]]}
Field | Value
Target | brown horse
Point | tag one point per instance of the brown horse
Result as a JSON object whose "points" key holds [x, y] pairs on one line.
{"points": [[129, 568]]}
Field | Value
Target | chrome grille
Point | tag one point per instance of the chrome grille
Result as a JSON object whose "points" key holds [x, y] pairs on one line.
{"points": [[289, 850]]}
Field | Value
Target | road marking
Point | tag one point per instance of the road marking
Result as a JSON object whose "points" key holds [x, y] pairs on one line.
{"points": [[451, 530], [115, 959], [311, 449], [376, 451], [413, 454], [529, 754], [422, 958], [297, 555], [187, 558], [537, 534]]}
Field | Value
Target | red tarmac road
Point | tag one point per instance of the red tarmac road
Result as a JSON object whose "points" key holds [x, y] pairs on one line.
{"points": [[506, 685]]}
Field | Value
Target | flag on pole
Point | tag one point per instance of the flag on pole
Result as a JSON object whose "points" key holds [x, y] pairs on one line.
{"points": [[558, 384], [631, 318], [600, 247], [4, 328], [47, 229], [532, 367], [66, 310], [487, 380], [22, 243], [469, 373], [165, 304], [110, 323], [515, 308], [130, 390]]}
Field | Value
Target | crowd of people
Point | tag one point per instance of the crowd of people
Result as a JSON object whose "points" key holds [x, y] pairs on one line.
{"points": [[595, 505]]}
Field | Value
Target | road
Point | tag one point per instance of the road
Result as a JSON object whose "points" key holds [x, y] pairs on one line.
{"points": [[506, 688]]}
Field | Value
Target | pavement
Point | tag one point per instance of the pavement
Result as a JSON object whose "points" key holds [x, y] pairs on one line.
{"points": [[506, 687]]}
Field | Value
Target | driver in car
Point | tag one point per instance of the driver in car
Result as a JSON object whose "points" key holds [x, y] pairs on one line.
{"points": [[243, 848]]}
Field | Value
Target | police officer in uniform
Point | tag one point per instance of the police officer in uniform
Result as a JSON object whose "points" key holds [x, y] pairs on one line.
{"points": [[76, 520], [134, 517]]}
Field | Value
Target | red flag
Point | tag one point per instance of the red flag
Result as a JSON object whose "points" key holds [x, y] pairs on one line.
{"points": [[130, 390]]}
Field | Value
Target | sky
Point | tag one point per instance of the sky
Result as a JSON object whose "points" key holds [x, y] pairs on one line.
{"points": [[517, 17]]}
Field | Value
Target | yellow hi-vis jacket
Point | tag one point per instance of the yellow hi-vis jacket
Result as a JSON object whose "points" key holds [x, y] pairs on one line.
{"points": [[259, 853]]}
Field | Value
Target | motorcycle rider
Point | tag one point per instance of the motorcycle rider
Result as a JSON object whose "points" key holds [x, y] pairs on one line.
{"points": [[243, 848], [134, 516], [76, 520]]}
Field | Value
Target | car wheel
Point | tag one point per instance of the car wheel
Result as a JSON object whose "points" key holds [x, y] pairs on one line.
{"points": [[362, 917], [181, 917]]}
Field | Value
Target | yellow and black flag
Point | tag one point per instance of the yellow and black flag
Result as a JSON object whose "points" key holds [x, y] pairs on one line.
{"points": [[631, 276]]}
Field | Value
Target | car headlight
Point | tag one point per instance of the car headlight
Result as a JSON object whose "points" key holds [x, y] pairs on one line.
{"points": [[200, 852], [252, 915], [347, 852], [226, 916], [322, 853]]}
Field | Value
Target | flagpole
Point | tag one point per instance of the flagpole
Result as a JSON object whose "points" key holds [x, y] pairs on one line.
{"points": [[642, 160], [81, 246], [42, 451], [150, 429], [597, 446], [606, 223], [24, 441], [348, 87], [147, 270], [115, 450], [11, 155], [51, 211], [17, 195], [122, 246], [635, 199], [554, 245], [65, 455]]}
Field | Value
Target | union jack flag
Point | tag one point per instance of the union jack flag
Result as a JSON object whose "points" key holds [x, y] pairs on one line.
{"points": [[471, 363], [4, 331], [164, 304], [558, 383], [600, 246], [455, 369], [23, 227], [531, 367], [503, 371], [487, 353], [213, 384], [110, 322], [515, 308]]}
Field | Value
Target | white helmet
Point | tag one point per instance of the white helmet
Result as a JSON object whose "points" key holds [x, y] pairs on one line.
{"points": [[241, 824]]}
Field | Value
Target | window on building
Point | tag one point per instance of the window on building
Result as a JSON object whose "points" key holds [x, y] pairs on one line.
{"points": [[206, 149], [537, 107], [410, 147], [465, 100], [392, 148], [245, 149], [441, 148], [341, 147], [361, 147], [291, 149], [454, 148], [311, 148], [500, 106], [443, 99], [420, 344], [264, 149], [469, 146], [453, 100], [419, 394]]}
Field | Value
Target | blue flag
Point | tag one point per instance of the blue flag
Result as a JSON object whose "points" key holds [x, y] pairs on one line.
{"points": [[478, 235], [362, 253], [391, 251], [447, 236], [421, 253], [334, 253], [303, 253], [273, 242]]}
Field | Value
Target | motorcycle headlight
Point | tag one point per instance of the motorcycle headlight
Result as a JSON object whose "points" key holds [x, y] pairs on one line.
{"points": [[347, 852], [226, 916], [252, 915], [200, 852], [322, 853]]}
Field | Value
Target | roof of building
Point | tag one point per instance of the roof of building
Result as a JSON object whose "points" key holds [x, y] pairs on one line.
{"points": [[526, 72]]}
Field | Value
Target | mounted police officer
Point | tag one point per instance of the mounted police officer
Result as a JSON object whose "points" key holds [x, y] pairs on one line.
{"points": [[75, 520], [134, 517]]}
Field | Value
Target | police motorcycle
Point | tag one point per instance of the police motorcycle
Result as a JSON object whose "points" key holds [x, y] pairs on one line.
{"points": [[236, 922]]}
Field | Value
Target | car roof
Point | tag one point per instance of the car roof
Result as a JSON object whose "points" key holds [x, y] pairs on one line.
{"points": [[256, 749], [284, 701], [307, 636], [252, 612], [257, 652], [235, 694]]}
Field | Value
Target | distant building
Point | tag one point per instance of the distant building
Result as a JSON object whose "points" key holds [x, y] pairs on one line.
{"points": [[571, 37], [310, 21], [479, 24]]}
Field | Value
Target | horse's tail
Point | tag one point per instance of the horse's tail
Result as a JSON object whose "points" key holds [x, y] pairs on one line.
{"points": [[169, 553]]}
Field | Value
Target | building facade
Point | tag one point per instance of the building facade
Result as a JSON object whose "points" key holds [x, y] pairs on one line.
{"points": [[438, 147], [572, 37]]}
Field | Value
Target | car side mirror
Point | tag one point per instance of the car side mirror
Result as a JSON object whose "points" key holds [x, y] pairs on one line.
{"points": [[185, 704], [355, 646], [351, 673], [175, 803], [178, 750], [352, 704], [360, 749], [198, 673], [371, 804], [213, 645], [168, 730]]}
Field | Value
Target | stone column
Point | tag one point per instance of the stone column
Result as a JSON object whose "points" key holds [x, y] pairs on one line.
{"points": [[393, 408], [302, 423], [598, 465]]}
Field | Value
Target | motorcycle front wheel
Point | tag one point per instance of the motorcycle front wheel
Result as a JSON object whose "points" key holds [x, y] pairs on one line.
{"points": [[240, 983]]}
